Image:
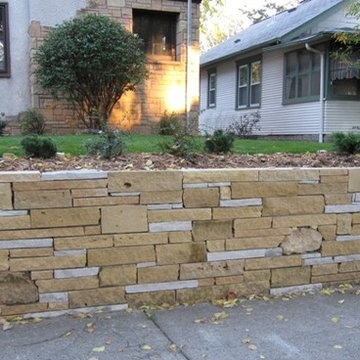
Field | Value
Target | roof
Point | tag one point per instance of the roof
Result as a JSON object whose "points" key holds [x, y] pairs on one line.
{"points": [[269, 31]]}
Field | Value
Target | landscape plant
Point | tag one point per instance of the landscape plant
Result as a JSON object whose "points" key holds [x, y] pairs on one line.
{"points": [[31, 122], [348, 143], [91, 62], [246, 125], [169, 124], [38, 147], [3, 123], [220, 142]]}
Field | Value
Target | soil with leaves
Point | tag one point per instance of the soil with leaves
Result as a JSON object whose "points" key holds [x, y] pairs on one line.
{"points": [[166, 161]]}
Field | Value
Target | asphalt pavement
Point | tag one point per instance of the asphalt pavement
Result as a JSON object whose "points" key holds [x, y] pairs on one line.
{"points": [[303, 327]]}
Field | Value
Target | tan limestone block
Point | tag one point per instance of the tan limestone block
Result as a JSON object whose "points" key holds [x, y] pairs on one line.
{"points": [[24, 253], [253, 243], [23, 309], [83, 242], [229, 280], [346, 276], [42, 275], [321, 189], [108, 200], [19, 176], [206, 282], [354, 180], [58, 306], [42, 199], [156, 274], [47, 263], [293, 205], [242, 289], [333, 248], [234, 213], [350, 266], [304, 220], [103, 296], [355, 230], [215, 245], [178, 237], [328, 232], [160, 197], [59, 185], [14, 222], [273, 262], [5, 197], [118, 275], [158, 297], [219, 175], [59, 285], [251, 233], [302, 240], [179, 215], [41, 233], [263, 189], [338, 199], [212, 230], [324, 269], [289, 175], [257, 275], [290, 276], [193, 296], [211, 269], [334, 179], [225, 193], [180, 253], [4, 260], [124, 219], [134, 181], [201, 198], [120, 256], [64, 217], [140, 239], [246, 224], [356, 218], [84, 193], [92, 230], [333, 171]]}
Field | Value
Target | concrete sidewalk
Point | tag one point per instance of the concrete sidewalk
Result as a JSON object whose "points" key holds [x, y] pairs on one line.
{"points": [[303, 328]]}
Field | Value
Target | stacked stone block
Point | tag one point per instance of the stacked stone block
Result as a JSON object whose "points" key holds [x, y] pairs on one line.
{"points": [[72, 241]]}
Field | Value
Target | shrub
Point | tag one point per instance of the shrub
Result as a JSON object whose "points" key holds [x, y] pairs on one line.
{"points": [[90, 61], [246, 125], [31, 122], [346, 143], [220, 142], [38, 147], [169, 124], [107, 144], [3, 123]]}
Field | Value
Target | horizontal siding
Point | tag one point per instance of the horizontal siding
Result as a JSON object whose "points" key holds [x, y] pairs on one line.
{"points": [[342, 116]]}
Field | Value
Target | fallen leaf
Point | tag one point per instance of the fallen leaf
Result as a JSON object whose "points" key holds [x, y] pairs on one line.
{"points": [[93, 358], [335, 320], [341, 301], [280, 317], [252, 347], [338, 347], [172, 348], [146, 347], [36, 320], [262, 357], [98, 349], [326, 291], [67, 334], [7, 326], [246, 341]]}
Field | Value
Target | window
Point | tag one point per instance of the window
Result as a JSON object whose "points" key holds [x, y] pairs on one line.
{"points": [[302, 76], [249, 84], [4, 41], [212, 88], [158, 31]]}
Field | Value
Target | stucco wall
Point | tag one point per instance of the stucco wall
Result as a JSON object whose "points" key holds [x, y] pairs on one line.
{"points": [[75, 240]]}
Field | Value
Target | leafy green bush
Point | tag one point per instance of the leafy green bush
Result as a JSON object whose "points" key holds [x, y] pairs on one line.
{"points": [[38, 147], [31, 122], [169, 124], [346, 143], [220, 142], [107, 145]]}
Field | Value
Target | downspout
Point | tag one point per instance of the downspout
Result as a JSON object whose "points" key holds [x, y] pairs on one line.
{"points": [[322, 89], [188, 65]]}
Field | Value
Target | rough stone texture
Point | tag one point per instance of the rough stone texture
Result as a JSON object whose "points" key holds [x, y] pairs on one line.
{"points": [[64, 217], [332, 248], [74, 174], [104, 201], [261, 189], [75, 273], [35, 252], [301, 241], [234, 213], [83, 242], [59, 185], [180, 253], [17, 288], [180, 237], [42, 275], [5, 197], [324, 269], [328, 232], [174, 285], [336, 278], [41, 233], [295, 289], [331, 209], [272, 263], [4, 263], [14, 222], [321, 189], [58, 297], [22, 309], [290, 276], [120, 256], [338, 199], [303, 220], [293, 205], [27, 243], [103, 296], [145, 181], [124, 219], [179, 215], [118, 275], [42, 199], [289, 175], [170, 226], [160, 197], [354, 180], [240, 203], [156, 274], [219, 175], [140, 239], [253, 243], [201, 198], [84, 193], [351, 266], [159, 297], [215, 245], [250, 233], [228, 255], [343, 223], [212, 230], [19, 176]]}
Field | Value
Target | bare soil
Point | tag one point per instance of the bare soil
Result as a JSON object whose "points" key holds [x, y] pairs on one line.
{"points": [[166, 161]]}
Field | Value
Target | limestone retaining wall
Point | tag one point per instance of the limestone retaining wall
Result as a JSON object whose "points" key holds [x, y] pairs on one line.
{"points": [[71, 241]]}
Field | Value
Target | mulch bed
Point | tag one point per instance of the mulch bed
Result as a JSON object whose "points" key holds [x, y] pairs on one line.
{"points": [[166, 161]]}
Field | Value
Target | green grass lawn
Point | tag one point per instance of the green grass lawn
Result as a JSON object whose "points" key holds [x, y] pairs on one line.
{"points": [[73, 144]]}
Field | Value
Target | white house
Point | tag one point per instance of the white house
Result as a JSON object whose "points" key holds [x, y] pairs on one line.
{"points": [[283, 68]]}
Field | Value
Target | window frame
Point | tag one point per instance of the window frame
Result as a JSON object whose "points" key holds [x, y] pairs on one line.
{"points": [[247, 63], [211, 74], [6, 73]]}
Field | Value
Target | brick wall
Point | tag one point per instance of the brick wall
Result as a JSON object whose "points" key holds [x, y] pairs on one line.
{"points": [[74, 240]]}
